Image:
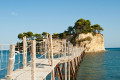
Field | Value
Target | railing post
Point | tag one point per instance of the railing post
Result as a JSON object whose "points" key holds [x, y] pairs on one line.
{"points": [[11, 62], [49, 49], [68, 61], [33, 60], [24, 52], [46, 43], [65, 58], [52, 63]]}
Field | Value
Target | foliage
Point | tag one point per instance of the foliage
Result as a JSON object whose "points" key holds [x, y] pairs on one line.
{"points": [[55, 35], [44, 34], [80, 26], [38, 36], [30, 36], [70, 30], [20, 36], [62, 35]]}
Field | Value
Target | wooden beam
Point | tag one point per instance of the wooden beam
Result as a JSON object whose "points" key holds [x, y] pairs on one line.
{"points": [[73, 73]]}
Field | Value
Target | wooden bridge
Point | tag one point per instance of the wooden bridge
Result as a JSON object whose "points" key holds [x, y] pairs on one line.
{"points": [[64, 67]]}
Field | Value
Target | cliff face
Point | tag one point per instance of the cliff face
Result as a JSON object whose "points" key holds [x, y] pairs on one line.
{"points": [[57, 45], [90, 42]]}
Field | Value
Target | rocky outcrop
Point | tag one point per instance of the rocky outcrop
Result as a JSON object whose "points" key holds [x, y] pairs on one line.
{"points": [[57, 45], [91, 43]]}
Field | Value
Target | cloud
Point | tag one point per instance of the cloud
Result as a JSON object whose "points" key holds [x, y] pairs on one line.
{"points": [[14, 13]]}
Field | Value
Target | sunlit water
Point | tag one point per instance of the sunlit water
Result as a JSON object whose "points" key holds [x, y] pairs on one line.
{"points": [[100, 66]]}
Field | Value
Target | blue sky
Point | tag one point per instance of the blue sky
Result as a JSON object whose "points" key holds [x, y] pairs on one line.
{"points": [[17, 16]]}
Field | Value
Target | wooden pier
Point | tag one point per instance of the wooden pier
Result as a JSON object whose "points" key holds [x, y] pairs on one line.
{"points": [[64, 67]]}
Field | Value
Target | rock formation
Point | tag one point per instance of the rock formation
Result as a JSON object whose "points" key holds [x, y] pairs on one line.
{"points": [[91, 43]]}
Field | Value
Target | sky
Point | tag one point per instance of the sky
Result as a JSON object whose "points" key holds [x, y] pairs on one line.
{"points": [[54, 16]]}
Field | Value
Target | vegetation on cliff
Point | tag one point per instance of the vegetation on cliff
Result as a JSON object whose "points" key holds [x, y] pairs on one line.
{"points": [[31, 36], [80, 26]]}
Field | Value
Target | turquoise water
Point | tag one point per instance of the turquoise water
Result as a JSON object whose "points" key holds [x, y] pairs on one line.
{"points": [[95, 66], [100, 66], [4, 57]]}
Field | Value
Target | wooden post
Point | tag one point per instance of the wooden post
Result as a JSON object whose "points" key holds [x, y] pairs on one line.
{"points": [[45, 49], [65, 49], [65, 58], [11, 62], [68, 61], [24, 52], [49, 49], [33, 60], [76, 56], [51, 53], [46, 46]]}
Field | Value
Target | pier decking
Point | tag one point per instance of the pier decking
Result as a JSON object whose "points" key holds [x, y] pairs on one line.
{"points": [[64, 67], [42, 68]]}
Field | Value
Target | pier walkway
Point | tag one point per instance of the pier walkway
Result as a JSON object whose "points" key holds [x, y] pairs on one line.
{"points": [[42, 68], [64, 66]]}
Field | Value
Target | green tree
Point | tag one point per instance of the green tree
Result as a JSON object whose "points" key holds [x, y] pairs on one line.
{"points": [[44, 34], [97, 28], [67, 32], [55, 35], [38, 36], [30, 35], [62, 35], [100, 29], [70, 30], [20, 36], [82, 26], [25, 34]]}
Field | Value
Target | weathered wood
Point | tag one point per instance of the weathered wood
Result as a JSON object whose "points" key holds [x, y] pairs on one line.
{"points": [[59, 73], [33, 60], [68, 61], [51, 54], [42, 68], [65, 70], [69, 70], [65, 57], [48, 41], [24, 52], [11, 62], [73, 73]]}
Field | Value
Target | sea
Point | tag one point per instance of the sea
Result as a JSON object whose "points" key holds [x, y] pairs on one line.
{"points": [[95, 66], [100, 66]]}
